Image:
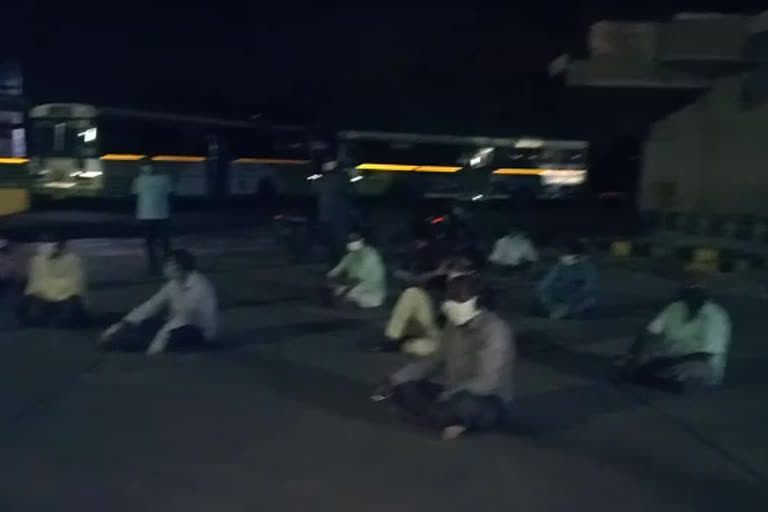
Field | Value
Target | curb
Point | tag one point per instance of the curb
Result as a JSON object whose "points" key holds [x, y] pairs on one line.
{"points": [[695, 257]]}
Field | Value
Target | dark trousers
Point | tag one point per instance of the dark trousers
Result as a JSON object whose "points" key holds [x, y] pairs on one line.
{"points": [[418, 401], [334, 236], [658, 372], [137, 338], [33, 311], [157, 241]]}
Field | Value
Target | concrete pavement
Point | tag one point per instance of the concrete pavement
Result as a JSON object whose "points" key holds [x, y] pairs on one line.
{"points": [[280, 420]]}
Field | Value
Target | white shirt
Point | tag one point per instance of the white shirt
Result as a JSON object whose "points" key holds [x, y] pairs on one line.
{"points": [[513, 250], [190, 303], [152, 191], [709, 331]]}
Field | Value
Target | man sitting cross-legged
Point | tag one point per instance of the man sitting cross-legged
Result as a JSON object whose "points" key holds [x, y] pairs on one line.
{"points": [[466, 384]]}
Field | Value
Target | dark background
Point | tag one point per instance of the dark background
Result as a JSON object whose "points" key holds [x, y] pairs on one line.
{"points": [[456, 68]]}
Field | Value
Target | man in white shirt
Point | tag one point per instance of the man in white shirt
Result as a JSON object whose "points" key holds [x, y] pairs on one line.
{"points": [[513, 250], [190, 301], [685, 347], [55, 287], [153, 190]]}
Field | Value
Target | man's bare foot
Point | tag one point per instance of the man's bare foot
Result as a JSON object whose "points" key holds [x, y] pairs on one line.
{"points": [[453, 432]]}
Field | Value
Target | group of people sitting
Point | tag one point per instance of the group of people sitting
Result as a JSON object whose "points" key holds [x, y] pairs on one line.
{"points": [[50, 291], [461, 378], [461, 375]]}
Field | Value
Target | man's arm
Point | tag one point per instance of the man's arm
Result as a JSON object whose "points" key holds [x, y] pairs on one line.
{"points": [[656, 326], [546, 283], [531, 254], [417, 370], [496, 254], [652, 334], [151, 307], [34, 276], [340, 268], [192, 302], [423, 368], [717, 334]]}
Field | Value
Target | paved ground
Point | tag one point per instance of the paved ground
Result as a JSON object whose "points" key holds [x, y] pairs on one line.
{"points": [[280, 420]]}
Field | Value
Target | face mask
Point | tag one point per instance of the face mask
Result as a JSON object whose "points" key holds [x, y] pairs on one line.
{"points": [[46, 248], [329, 166], [459, 313], [355, 246], [569, 259]]}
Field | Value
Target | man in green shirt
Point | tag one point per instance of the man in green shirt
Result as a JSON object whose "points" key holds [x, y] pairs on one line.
{"points": [[360, 276], [685, 347]]}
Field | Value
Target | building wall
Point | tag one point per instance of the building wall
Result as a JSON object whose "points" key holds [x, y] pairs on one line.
{"points": [[709, 157]]}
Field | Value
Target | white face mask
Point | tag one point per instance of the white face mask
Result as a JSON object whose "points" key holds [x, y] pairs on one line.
{"points": [[569, 259], [355, 246], [329, 166], [459, 313], [46, 248]]}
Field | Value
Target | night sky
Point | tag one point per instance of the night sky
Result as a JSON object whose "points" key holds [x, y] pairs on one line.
{"points": [[377, 65]]}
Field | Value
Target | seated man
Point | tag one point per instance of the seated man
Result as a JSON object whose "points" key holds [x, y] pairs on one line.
{"points": [[55, 287], [569, 287], [466, 385], [513, 250], [412, 325], [360, 277], [685, 346], [190, 301]]}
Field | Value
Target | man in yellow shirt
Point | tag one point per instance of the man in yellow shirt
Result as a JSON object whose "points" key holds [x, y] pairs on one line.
{"points": [[55, 287]]}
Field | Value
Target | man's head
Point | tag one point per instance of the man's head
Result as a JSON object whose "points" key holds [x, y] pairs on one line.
{"points": [[51, 245], [461, 294], [694, 293], [355, 242], [179, 264], [513, 231], [146, 166]]}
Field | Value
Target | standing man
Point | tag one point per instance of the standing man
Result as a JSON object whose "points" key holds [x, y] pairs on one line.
{"points": [[190, 303], [153, 190], [333, 209]]}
